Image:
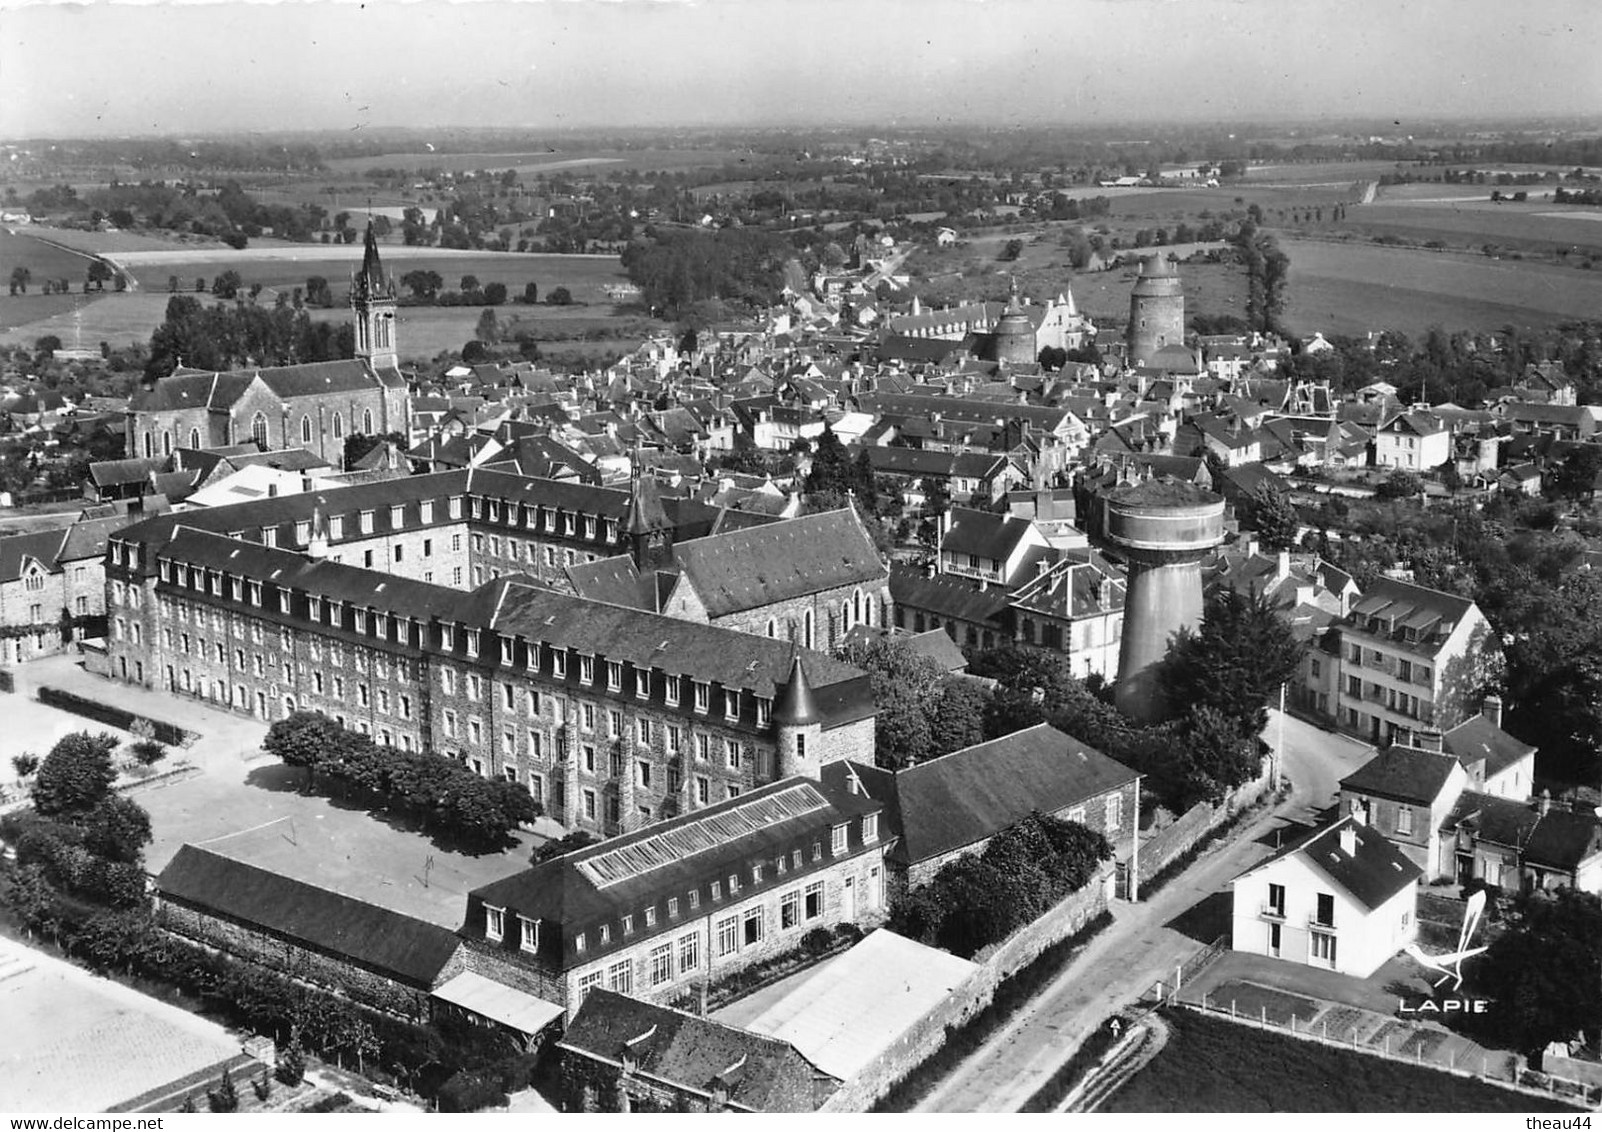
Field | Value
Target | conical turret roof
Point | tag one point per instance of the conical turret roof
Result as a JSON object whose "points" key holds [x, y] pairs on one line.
{"points": [[796, 706], [645, 512]]}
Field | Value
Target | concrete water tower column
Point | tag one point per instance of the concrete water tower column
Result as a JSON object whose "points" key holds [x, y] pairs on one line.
{"points": [[1165, 527]]}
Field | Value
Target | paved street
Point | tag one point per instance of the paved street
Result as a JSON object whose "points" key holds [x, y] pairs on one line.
{"points": [[1146, 941]]}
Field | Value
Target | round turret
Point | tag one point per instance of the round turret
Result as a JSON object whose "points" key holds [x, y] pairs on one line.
{"points": [[1156, 310], [798, 722], [1015, 334]]}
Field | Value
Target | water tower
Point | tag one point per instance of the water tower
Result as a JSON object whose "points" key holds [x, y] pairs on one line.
{"points": [[1165, 527]]}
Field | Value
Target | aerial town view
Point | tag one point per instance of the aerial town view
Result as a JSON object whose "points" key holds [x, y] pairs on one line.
{"points": [[780, 556]]}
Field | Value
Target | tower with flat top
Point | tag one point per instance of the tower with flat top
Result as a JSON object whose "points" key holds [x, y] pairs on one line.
{"points": [[1164, 527]]}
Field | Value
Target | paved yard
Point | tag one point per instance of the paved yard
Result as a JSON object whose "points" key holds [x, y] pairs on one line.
{"points": [[246, 805], [74, 1042]]}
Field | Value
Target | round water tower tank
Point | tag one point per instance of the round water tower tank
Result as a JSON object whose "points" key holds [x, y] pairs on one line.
{"points": [[1165, 516]]}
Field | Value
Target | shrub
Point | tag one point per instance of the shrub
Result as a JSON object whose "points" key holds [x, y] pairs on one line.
{"points": [[224, 1098], [263, 1085], [471, 1091], [848, 931], [291, 1067], [334, 1103], [25, 763], [817, 941], [148, 752]]}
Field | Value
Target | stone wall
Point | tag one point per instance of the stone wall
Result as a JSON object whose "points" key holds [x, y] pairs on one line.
{"points": [[1157, 852], [995, 964], [338, 975]]}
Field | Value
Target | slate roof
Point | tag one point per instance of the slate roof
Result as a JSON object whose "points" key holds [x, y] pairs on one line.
{"points": [[1403, 774], [757, 1072], [988, 534], [1564, 839], [757, 566], [966, 796], [407, 950], [945, 596], [1478, 738], [1373, 874]]}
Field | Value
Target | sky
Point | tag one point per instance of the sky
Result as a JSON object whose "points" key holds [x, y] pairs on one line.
{"points": [[103, 67]]}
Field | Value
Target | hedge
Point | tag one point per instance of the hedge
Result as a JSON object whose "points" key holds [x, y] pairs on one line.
{"points": [[121, 718]]}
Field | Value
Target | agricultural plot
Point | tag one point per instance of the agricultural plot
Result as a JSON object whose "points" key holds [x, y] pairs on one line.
{"points": [[20, 248], [83, 321], [1536, 225], [1351, 288], [425, 332], [548, 161], [107, 242], [1214, 1065]]}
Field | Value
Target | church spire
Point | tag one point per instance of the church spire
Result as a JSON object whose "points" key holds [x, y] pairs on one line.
{"points": [[372, 300]]}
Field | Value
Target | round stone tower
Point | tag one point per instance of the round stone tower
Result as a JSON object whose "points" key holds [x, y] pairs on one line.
{"points": [[1015, 333], [1165, 527], [1156, 310], [799, 724]]}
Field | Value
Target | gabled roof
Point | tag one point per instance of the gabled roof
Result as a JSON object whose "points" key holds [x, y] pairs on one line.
{"points": [[1403, 774], [16, 551], [758, 566], [1477, 738], [399, 947], [946, 596], [1564, 839], [1373, 874], [986, 534], [969, 795], [757, 1073]]}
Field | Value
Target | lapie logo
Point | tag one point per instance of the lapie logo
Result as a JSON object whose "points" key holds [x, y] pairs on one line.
{"points": [[1450, 966]]}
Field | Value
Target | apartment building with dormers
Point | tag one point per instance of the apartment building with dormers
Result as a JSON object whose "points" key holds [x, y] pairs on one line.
{"points": [[1408, 659]]}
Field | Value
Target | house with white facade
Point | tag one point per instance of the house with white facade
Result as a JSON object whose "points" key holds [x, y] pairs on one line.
{"points": [[1414, 442], [1342, 898]]}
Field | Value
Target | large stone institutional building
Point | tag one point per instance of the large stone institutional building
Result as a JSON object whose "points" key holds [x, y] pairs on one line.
{"points": [[312, 406], [406, 610]]}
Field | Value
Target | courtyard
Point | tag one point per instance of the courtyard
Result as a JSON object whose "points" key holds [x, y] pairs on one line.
{"points": [[239, 802]]}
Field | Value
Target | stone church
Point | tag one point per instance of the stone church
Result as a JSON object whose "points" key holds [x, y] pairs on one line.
{"points": [[312, 406]]}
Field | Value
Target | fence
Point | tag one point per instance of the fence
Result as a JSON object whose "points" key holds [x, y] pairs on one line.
{"points": [[1505, 1071], [1162, 992]]}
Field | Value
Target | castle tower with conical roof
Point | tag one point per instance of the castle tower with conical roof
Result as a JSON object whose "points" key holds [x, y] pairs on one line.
{"points": [[646, 526], [799, 724], [372, 298], [1015, 333], [1156, 310]]}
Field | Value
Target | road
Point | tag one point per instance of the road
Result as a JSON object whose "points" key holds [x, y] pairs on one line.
{"points": [[1146, 941]]}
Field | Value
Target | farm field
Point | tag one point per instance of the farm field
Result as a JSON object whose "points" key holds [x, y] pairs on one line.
{"points": [[288, 265], [1471, 222], [1351, 288], [44, 260], [425, 332], [104, 242], [1211, 1065], [547, 161], [82, 320]]}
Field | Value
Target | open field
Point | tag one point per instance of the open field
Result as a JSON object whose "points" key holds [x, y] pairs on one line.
{"points": [[427, 331], [1189, 203], [1536, 225], [547, 161], [288, 265], [21, 248], [83, 321], [1350, 288], [112, 241], [1210, 1065]]}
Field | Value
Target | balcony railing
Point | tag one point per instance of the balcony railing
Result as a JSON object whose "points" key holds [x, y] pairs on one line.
{"points": [[1274, 911], [1314, 920]]}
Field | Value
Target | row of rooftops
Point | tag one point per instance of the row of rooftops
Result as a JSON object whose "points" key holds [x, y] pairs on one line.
{"points": [[1405, 614], [509, 625]]}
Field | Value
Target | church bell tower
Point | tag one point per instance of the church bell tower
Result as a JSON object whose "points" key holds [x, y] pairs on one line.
{"points": [[372, 298]]}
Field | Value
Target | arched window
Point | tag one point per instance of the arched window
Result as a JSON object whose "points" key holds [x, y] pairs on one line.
{"points": [[867, 609], [194, 438], [367, 422], [258, 429], [773, 627], [289, 706], [305, 429], [339, 426], [166, 442], [856, 606], [150, 444], [806, 630], [845, 615]]}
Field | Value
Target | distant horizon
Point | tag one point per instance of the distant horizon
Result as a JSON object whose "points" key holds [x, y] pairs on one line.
{"points": [[108, 69]]}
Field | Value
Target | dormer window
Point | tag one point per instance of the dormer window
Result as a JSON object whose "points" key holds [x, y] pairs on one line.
{"points": [[756, 874], [628, 925], [269, 536], [255, 594], [606, 934], [731, 705], [764, 708], [336, 612], [455, 507], [703, 697], [531, 934], [397, 516], [559, 664], [236, 589], [366, 520], [302, 533], [361, 620], [870, 828], [336, 527], [587, 669], [670, 690], [614, 676], [472, 642], [642, 683], [611, 530], [589, 527], [283, 600], [494, 922], [425, 511], [164, 567], [447, 637]]}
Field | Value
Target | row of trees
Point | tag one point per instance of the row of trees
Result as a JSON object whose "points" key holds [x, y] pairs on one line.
{"points": [[982, 898], [445, 795], [222, 337], [677, 270]]}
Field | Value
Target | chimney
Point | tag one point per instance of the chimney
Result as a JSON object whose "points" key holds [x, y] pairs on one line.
{"points": [[1251, 547], [1492, 709], [1427, 740], [1349, 838], [1283, 570]]}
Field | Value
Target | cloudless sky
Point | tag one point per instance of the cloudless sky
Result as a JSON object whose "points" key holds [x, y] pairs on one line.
{"points": [[102, 67]]}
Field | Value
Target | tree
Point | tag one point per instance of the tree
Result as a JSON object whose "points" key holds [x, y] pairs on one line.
{"points": [[25, 764], [1235, 662], [957, 716], [903, 686], [1543, 970], [76, 776], [559, 297], [117, 829], [1400, 484], [307, 739], [1575, 477], [831, 466], [424, 285], [20, 277], [489, 327], [469, 283], [226, 285], [531, 293], [1213, 757], [495, 294], [1270, 513]]}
